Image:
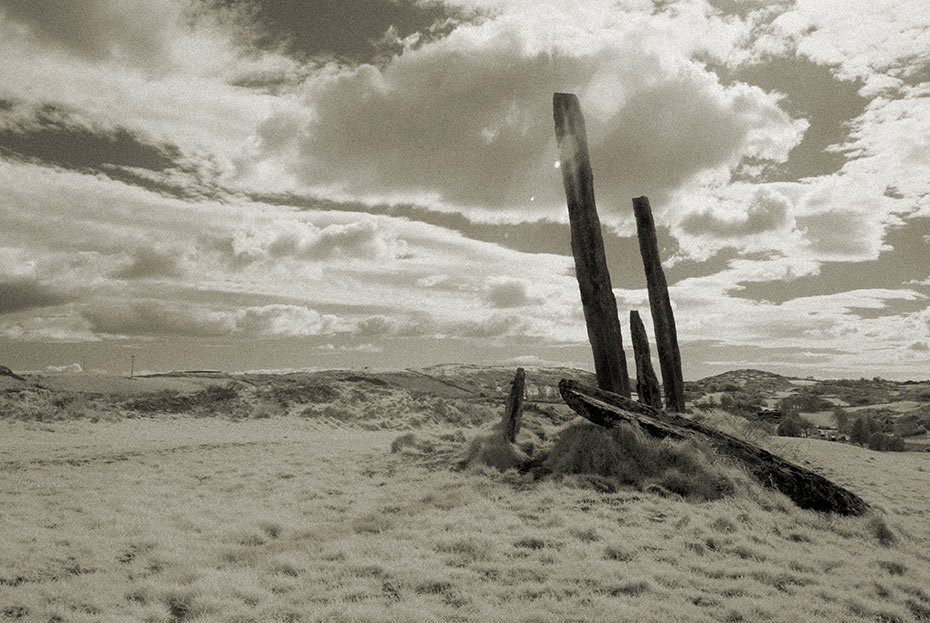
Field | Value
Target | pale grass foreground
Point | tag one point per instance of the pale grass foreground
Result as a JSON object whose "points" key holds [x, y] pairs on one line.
{"points": [[281, 519]]}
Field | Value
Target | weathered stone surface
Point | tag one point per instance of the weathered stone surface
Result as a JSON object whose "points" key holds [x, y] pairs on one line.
{"points": [[647, 384], [661, 307], [597, 297], [806, 488], [513, 413]]}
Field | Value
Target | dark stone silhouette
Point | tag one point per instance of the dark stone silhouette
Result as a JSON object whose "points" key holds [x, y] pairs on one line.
{"points": [[597, 297], [662, 317], [806, 488], [513, 414], [647, 384]]}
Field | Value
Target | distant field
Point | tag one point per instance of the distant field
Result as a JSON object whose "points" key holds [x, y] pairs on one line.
{"points": [[171, 519]]}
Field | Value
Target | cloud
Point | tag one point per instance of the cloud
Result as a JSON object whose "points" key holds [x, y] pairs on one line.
{"points": [[149, 263], [366, 239], [223, 102], [768, 212], [52, 134], [331, 349], [149, 318], [59, 326], [72, 368], [156, 318], [841, 234], [128, 30], [164, 70], [883, 43], [465, 123], [96, 235], [842, 217], [888, 150], [285, 320], [920, 347], [23, 294], [503, 292], [362, 30], [494, 326]]}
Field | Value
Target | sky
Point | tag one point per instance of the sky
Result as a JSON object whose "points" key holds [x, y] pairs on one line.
{"points": [[286, 184]]}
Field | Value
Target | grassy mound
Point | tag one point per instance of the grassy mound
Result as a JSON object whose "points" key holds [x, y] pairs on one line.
{"points": [[630, 457]]}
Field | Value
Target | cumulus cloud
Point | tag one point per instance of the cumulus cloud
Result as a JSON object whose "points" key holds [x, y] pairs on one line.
{"points": [[466, 122], [284, 320]]}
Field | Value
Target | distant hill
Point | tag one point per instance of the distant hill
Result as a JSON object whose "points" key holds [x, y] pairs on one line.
{"points": [[749, 380], [451, 393]]}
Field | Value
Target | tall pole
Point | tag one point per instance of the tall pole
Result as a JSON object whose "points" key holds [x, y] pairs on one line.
{"points": [[661, 307], [597, 296], [132, 365]]}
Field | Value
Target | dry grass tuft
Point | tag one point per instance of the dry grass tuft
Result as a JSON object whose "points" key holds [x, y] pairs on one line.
{"points": [[628, 456], [742, 428], [412, 443], [495, 451]]}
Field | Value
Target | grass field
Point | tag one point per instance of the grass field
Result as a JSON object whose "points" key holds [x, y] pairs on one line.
{"points": [[293, 519]]}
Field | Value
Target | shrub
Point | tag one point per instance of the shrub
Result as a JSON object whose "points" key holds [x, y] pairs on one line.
{"points": [[841, 416], [294, 392], [794, 426], [741, 403], [218, 393], [862, 429], [886, 443], [803, 402], [789, 427], [908, 426]]}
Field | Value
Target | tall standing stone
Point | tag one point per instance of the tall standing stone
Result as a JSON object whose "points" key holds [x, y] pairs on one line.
{"points": [[597, 297], [662, 317], [513, 414], [647, 384]]}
